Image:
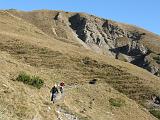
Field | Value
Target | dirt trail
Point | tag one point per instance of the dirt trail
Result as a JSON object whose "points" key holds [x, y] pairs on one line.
{"points": [[64, 115], [61, 113]]}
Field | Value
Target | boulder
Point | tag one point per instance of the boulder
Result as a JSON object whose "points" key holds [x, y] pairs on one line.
{"points": [[93, 81]]}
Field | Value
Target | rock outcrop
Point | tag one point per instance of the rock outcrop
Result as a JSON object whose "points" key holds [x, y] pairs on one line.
{"points": [[111, 38]]}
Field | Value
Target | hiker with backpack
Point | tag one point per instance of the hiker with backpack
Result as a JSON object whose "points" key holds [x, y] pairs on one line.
{"points": [[54, 92], [61, 87]]}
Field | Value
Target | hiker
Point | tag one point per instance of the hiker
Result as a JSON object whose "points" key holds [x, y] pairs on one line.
{"points": [[61, 87], [54, 92]]}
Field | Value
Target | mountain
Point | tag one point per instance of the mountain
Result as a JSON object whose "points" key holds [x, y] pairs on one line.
{"points": [[77, 48], [121, 41]]}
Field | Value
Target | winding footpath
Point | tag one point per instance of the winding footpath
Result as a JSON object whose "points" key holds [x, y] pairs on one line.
{"points": [[61, 113]]}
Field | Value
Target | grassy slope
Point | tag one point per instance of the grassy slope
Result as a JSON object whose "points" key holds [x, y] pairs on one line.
{"points": [[19, 101], [53, 60]]}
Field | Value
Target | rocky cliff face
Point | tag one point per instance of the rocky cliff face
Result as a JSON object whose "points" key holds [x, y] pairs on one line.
{"points": [[113, 39], [121, 41]]}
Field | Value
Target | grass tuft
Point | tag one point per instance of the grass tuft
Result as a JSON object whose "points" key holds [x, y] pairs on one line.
{"points": [[116, 102]]}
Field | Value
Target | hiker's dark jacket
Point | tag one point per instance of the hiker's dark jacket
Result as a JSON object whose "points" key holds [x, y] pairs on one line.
{"points": [[54, 90]]}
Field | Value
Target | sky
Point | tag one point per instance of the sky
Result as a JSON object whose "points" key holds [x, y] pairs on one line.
{"points": [[142, 13]]}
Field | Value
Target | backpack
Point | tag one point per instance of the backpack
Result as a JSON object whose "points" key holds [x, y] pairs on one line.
{"points": [[54, 90]]}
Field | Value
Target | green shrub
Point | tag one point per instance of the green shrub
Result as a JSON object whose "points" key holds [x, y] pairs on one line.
{"points": [[27, 79], [116, 102], [37, 82], [23, 77], [155, 113]]}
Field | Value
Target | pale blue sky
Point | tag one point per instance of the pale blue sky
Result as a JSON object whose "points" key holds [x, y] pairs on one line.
{"points": [[143, 13]]}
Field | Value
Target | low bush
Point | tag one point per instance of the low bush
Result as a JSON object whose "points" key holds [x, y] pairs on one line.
{"points": [[27, 79], [155, 113], [117, 102]]}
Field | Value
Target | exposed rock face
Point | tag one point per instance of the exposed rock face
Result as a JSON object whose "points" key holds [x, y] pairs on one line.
{"points": [[96, 33], [152, 65], [113, 39], [85, 31], [153, 69], [135, 48]]}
